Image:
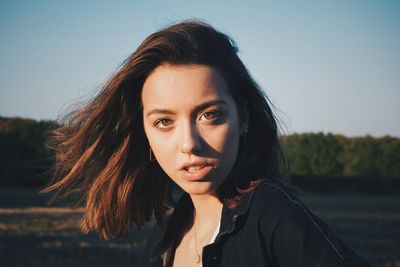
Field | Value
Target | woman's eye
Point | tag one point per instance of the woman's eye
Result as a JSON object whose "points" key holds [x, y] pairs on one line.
{"points": [[211, 115], [163, 123]]}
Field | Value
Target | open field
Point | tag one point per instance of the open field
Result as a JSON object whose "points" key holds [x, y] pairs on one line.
{"points": [[40, 236], [370, 224], [32, 234]]}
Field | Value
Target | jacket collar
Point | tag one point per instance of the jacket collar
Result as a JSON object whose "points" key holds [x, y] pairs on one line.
{"points": [[182, 213], [230, 216]]}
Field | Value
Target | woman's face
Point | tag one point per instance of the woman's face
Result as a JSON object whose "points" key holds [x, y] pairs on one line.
{"points": [[192, 125]]}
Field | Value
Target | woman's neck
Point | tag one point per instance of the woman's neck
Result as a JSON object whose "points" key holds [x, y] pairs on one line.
{"points": [[207, 211]]}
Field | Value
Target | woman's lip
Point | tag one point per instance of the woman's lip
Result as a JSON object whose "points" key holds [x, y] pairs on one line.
{"points": [[197, 163], [198, 174]]}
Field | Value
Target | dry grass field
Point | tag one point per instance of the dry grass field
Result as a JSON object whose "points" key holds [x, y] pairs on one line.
{"points": [[369, 224], [41, 236], [32, 234]]}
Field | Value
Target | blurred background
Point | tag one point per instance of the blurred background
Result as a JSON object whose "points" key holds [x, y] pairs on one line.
{"points": [[331, 69]]}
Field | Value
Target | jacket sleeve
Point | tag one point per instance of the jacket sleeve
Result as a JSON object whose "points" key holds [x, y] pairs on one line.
{"points": [[293, 236]]}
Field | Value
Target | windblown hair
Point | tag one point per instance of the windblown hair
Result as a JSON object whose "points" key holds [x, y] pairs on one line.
{"points": [[102, 153]]}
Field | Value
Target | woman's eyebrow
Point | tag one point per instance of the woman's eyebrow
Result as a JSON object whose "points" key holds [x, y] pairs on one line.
{"points": [[197, 109], [209, 104], [160, 111]]}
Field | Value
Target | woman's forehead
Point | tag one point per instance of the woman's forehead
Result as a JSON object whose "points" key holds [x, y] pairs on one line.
{"points": [[184, 86]]}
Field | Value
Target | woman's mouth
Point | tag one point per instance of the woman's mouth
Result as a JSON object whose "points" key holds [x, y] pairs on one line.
{"points": [[196, 170]]}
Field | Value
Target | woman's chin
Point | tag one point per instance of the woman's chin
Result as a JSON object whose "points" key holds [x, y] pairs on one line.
{"points": [[199, 188]]}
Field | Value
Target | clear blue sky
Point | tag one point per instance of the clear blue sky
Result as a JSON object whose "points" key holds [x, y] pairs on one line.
{"points": [[330, 66]]}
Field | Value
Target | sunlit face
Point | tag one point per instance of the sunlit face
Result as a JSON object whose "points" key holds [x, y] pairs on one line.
{"points": [[192, 125]]}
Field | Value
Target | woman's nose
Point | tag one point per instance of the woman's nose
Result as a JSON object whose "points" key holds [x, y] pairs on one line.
{"points": [[190, 139]]}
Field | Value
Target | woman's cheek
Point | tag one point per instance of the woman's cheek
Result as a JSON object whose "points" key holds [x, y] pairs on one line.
{"points": [[220, 138]]}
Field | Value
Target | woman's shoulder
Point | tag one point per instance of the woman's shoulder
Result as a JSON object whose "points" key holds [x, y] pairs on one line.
{"points": [[275, 194], [278, 203], [277, 208], [281, 216]]}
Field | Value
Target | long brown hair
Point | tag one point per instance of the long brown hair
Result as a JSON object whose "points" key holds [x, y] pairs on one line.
{"points": [[103, 153]]}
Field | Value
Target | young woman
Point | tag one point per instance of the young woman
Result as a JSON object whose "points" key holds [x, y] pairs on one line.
{"points": [[184, 110]]}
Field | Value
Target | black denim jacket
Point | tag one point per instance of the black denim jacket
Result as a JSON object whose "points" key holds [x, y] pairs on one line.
{"points": [[270, 227]]}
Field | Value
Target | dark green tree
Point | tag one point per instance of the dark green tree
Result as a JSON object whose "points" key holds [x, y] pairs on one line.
{"points": [[389, 159], [361, 157]]}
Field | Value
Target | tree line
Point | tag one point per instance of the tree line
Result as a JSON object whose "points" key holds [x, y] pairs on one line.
{"points": [[25, 159], [318, 154]]}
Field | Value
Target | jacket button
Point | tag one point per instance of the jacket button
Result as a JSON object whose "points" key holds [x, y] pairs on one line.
{"points": [[215, 258]]}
